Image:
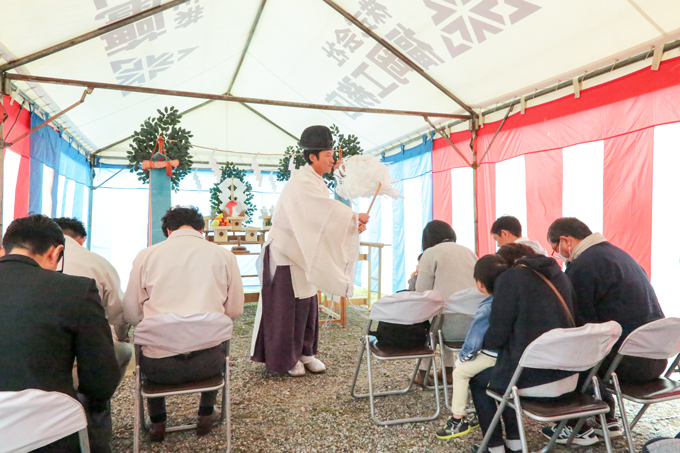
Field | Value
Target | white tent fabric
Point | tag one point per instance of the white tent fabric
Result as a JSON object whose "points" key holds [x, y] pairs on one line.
{"points": [[482, 51]]}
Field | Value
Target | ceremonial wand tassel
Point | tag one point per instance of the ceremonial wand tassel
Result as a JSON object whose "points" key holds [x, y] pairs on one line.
{"points": [[374, 197]]}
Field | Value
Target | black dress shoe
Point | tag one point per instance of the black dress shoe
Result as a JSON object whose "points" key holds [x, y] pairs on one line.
{"points": [[206, 422], [157, 432]]}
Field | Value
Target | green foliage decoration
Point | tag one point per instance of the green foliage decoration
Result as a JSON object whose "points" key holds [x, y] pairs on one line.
{"points": [[177, 145], [229, 170], [350, 146]]}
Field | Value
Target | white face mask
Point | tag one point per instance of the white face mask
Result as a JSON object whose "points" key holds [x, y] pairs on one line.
{"points": [[559, 253]]}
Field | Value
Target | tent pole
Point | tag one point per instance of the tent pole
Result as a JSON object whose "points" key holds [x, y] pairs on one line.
{"points": [[397, 53], [89, 203], [474, 126], [3, 117], [228, 98], [52, 118]]}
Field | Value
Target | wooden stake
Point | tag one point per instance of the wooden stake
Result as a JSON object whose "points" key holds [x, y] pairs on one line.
{"points": [[374, 197]]}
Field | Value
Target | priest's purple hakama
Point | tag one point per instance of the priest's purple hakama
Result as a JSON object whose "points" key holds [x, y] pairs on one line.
{"points": [[313, 244], [288, 325]]}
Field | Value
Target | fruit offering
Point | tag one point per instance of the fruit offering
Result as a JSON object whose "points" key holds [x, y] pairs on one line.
{"points": [[219, 220]]}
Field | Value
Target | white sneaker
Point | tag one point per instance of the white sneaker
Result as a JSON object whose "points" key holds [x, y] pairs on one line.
{"points": [[298, 370], [313, 364], [584, 438], [613, 427]]}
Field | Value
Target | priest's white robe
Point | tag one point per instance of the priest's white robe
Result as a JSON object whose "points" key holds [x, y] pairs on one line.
{"points": [[316, 236]]}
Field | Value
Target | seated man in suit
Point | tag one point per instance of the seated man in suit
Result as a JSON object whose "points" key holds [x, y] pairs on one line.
{"points": [[50, 320], [186, 275]]}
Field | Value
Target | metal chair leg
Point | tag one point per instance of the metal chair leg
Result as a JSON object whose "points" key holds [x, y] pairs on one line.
{"points": [[226, 405], [84, 441], [603, 419], [520, 422], [639, 415], [139, 411], [494, 422], [627, 428], [356, 371], [553, 439]]}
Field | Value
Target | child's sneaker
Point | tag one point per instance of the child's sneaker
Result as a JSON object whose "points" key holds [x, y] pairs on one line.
{"points": [[455, 428], [471, 416]]}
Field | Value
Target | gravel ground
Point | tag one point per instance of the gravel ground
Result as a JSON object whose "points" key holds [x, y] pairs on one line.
{"points": [[316, 413]]}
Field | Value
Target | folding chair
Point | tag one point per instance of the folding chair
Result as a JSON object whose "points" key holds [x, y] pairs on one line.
{"points": [[575, 349], [656, 340], [457, 315], [405, 307], [30, 419], [181, 335]]}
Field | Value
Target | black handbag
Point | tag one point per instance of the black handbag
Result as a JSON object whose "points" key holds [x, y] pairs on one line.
{"points": [[402, 336]]}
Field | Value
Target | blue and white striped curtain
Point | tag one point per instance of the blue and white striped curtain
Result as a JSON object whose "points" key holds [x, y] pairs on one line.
{"points": [[400, 222]]}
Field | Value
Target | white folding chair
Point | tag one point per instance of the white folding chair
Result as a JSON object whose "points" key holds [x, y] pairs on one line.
{"points": [[181, 335], [457, 315], [575, 349], [404, 308], [656, 340], [30, 419]]}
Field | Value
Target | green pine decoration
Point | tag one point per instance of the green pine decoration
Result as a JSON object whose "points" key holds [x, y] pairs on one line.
{"points": [[229, 170], [177, 145], [350, 146]]}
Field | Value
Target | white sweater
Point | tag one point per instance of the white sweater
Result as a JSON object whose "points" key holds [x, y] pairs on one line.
{"points": [[447, 268]]}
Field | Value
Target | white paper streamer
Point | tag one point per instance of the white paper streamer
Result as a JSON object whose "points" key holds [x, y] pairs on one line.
{"points": [[272, 181], [197, 180], [359, 176], [255, 167], [215, 167], [291, 163]]}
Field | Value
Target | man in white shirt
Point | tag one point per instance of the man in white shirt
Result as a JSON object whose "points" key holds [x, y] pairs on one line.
{"points": [[313, 244], [81, 262], [186, 275], [507, 229]]}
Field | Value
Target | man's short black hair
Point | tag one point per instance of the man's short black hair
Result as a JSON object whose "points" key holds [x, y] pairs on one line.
{"points": [[35, 233], [488, 268], [435, 232], [180, 216], [567, 226], [507, 223], [308, 152], [72, 227], [514, 251]]}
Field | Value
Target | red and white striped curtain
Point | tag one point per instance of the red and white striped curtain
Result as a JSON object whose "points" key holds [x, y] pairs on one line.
{"points": [[609, 158]]}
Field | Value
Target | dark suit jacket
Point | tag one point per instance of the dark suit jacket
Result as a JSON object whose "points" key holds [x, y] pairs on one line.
{"points": [[48, 319]]}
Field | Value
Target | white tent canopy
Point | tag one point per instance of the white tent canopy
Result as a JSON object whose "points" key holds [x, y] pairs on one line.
{"points": [[481, 52]]}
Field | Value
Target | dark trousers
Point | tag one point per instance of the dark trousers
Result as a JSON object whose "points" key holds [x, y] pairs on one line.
{"points": [[632, 370], [486, 408], [182, 368]]}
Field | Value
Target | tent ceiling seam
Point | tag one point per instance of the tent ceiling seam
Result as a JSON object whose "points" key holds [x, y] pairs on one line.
{"points": [[647, 17], [400, 56], [247, 45]]}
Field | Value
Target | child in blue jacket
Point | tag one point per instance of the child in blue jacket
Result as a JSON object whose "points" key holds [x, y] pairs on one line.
{"points": [[472, 359]]}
